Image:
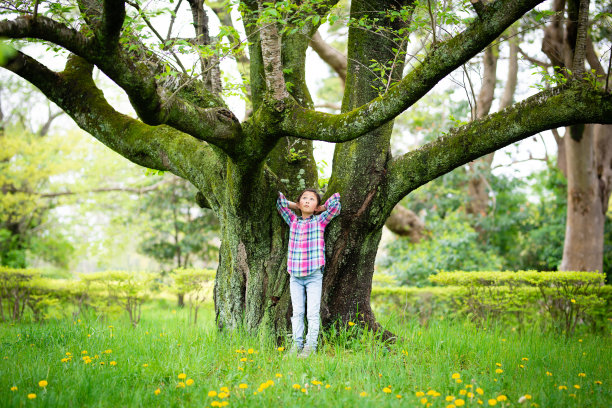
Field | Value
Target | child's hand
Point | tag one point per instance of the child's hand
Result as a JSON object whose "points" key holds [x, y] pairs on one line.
{"points": [[292, 206]]}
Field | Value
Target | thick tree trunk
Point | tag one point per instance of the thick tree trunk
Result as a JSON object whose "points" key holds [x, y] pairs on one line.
{"points": [[588, 192]]}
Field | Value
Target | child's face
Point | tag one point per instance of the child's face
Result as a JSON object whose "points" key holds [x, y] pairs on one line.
{"points": [[308, 202]]}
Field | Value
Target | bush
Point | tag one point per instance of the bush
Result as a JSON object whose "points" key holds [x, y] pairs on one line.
{"points": [[196, 285]]}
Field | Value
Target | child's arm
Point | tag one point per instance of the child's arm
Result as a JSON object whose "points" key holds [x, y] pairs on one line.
{"points": [[282, 205], [331, 209]]}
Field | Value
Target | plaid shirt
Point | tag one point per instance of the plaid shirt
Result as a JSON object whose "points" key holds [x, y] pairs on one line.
{"points": [[306, 244]]}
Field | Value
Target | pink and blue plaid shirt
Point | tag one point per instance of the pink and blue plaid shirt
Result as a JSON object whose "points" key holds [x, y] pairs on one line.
{"points": [[306, 245]]}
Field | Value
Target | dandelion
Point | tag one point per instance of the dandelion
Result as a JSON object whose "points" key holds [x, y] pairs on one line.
{"points": [[524, 359], [449, 398], [347, 388], [304, 390], [581, 375], [579, 340], [548, 374], [101, 362], [498, 364], [522, 366], [450, 406], [315, 382], [571, 395], [113, 363], [278, 375], [297, 386], [479, 391], [64, 360], [398, 396], [423, 401], [14, 388], [281, 349], [68, 353], [270, 383], [243, 386], [470, 395], [598, 382], [108, 351], [499, 371], [573, 300], [84, 352], [462, 392], [243, 359], [492, 401], [157, 391], [387, 390], [31, 396], [468, 386], [189, 382], [351, 323], [419, 393], [576, 386], [225, 390], [458, 380], [524, 398], [455, 376], [182, 376], [250, 351], [180, 385], [212, 393], [459, 402], [145, 365], [562, 387], [327, 385], [224, 404], [363, 394], [501, 398]]}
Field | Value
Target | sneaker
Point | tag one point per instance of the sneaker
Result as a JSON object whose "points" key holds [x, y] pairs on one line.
{"points": [[306, 352]]}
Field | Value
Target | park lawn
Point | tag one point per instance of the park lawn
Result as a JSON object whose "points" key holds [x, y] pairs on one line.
{"points": [[443, 364]]}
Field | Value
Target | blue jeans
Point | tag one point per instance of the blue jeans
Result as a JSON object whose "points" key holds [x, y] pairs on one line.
{"points": [[303, 287]]}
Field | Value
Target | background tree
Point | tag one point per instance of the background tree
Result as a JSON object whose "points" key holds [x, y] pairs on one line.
{"points": [[185, 127]]}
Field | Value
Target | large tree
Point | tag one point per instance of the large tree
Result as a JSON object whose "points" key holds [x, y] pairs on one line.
{"points": [[184, 127]]}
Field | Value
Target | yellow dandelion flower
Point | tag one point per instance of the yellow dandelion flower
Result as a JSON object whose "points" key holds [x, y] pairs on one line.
{"points": [[398, 396], [102, 363], [243, 386], [562, 387], [250, 351], [387, 390], [212, 393], [455, 376], [499, 371], [501, 398], [31, 396], [281, 349], [436, 394], [449, 398], [581, 375], [215, 404], [315, 382], [450, 406], [182, 376], [64, 360], [462, 392], [492, 401], [423, 401], [271, 383], [598, 382], [498, 364], [363, 394], [548, 374], [113, 363], [327, 385], [459, 402], [278, 375], [157, 391], [479, 391], [189, 382], [68, 353], [303, 390], [431, 392], [347, 388], [180, 385], [223, 395], [573, 300], [579, 340], [576, 386], [224, 389], [145, 365], [351, 323], [224, 404], [14, 388], [468, 386], [470, 395], [419, 393], [571, 395], [297, 386], [524, 359], [480, 402], [243, 359], [458, 380], [84, 352]]}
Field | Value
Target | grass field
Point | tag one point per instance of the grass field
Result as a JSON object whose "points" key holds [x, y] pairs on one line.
{"points": [[167, 362]]}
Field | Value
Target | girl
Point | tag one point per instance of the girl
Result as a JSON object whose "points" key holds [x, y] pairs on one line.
{"points": [[305, 261]]}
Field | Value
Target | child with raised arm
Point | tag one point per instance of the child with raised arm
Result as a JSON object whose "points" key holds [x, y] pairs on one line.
{"points": [[305, 261]]}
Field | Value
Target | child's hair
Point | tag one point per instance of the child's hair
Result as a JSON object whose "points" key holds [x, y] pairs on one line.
{"points": [[312, 191]]}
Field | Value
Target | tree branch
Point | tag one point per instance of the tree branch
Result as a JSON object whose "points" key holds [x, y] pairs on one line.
{"points": [[334, 58], [74, 91], [550, 109], [112, 20], [479, 7], [442, 60]]}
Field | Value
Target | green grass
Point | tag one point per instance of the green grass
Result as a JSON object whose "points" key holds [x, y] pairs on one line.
{"points": [[350, 362]]}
